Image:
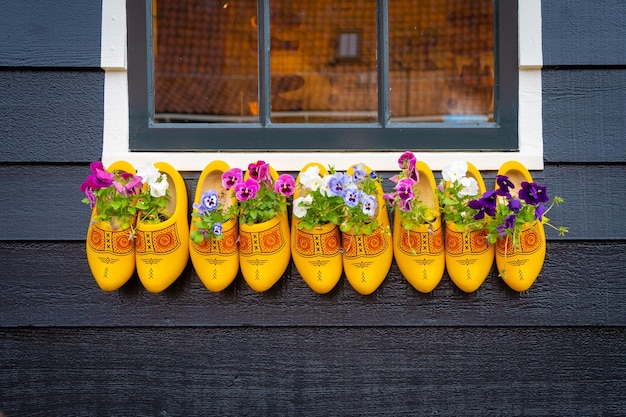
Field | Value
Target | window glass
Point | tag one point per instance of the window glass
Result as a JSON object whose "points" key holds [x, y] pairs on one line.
{"points": [[441, 60], [324, 61]]}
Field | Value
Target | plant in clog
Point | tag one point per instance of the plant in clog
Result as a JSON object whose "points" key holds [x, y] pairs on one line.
{"points": [[214, 231], [264, 239], [417, 231], [469, 256], [366, 238], [516, 224], [162, 240], [111, 194], [315, 236]]}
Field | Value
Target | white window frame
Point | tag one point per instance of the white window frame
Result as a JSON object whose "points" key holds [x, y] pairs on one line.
{"points": [[116, 114]]}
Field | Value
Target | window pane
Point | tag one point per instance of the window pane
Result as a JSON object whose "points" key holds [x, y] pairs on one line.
{"points": [[323, 61], [441, 60], [205, 61]]}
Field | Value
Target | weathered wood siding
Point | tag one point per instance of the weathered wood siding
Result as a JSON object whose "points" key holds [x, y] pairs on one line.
{"points": [[66, 348]]}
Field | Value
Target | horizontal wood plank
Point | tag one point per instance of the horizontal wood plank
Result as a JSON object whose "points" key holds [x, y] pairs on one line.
{"points": [[66, 218], [49, 284], [313, 371], [59, 33], [583, 115], [582, 32], [51, 115]]}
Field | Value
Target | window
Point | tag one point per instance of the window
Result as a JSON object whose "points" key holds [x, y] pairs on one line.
{"points": [[369, 75]]}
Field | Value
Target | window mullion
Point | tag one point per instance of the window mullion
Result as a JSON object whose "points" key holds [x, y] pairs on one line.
{"points": [[382, 58], [264, 61]]}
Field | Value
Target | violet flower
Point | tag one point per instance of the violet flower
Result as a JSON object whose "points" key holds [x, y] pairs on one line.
{"points": [[231, 177], [217, 229], [539, 211], [247, 189], [352, 195], [404, 188], [504, 184], [486, 205], [533, 194], [369, 205], [285, 184]]}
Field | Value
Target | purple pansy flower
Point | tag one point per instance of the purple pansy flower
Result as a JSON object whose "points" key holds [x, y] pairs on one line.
{"points": [[231, 177], [515, 205], [403, 161], [217, 229], [352, 195], [208, 202], [486, 205], [539, 210], [504, 186], [369, 205], [404, 188], [285, 184], [359, 173], [532, 193], [337, 183], [247, 189], [509, 223]]}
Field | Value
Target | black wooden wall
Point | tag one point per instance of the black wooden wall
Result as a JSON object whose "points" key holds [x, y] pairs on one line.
{"points": [[66, 348]]}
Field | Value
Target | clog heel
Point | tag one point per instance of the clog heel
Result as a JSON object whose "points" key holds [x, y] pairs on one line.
{"points": [[316, 252], [519, 263], [367, 258], [163, 248], [264, 249], [110, 249], [419, 251], [469, 256], [216, 261]]}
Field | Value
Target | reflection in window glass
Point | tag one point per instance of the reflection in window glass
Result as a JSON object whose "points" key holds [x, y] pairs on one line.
{"points": [[205, 60], [323, 61], [441, 63]]}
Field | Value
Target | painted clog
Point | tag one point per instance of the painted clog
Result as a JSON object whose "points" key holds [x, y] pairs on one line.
{"points": [[419, 251], [264, 249], [216, 261], [469, 256], [367, 258], [163, 248], [519, 264], [111, 250], [316, 252]]}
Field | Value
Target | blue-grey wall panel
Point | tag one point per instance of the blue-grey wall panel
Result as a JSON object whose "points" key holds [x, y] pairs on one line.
{"points": [[587, 206], [584, 115], [50, 33], [383, 372], [48, 284], [583, 32], [51, 115]]}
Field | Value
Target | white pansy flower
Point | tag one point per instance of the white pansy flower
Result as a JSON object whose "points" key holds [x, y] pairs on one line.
{"points": [[454, 171], [159, 187], [300, 206], [470, 186], [311, 178], [149, 174]]}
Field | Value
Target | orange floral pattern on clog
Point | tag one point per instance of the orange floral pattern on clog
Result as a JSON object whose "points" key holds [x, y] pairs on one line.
{"points": [[159, 241], [458, 243], [412, 242], [530, 242], [114, 241], [317, 244], [227, 245], [266, 241], [365, 245]]}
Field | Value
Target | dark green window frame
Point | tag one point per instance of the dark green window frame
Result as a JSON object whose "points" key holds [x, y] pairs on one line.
{"points": [[384, 135]]}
